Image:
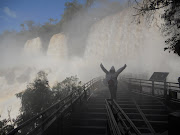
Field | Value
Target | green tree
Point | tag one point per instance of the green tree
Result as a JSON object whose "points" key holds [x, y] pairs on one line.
{"points": [[36, 97], [6, 125], [71, 9], [23, 27], [51, 20], [89, 3], [62, 89], [29, 24]]}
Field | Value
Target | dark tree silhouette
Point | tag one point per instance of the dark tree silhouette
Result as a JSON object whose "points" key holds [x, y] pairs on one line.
{"points": [[171, 16], [65, 87]]}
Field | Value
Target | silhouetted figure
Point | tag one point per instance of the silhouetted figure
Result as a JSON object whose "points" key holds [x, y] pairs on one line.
{"points": [[111, 79]]}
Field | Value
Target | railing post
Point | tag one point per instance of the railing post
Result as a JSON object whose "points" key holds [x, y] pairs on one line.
{"points": [[165, 90], [85, 93], [140, 87], [129, 85], [79, 96], [72, 108], [91, 82], [42, 120], [152, 87]]}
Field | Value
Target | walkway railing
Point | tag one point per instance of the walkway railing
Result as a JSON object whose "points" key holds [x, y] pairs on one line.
{"points": [[116, 120], [163, 90], [41, 122]]}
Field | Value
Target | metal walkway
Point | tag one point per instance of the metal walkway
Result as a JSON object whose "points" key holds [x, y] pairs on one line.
{"points": [[139, 114], [91, 112]]}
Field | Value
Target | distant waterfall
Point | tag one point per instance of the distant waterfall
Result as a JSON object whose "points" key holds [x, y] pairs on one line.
{"points": [[58, 46], [33, 47]]}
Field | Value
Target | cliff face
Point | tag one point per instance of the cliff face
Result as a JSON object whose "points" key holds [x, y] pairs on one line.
{"points": [[57, 46], [33, 47]]}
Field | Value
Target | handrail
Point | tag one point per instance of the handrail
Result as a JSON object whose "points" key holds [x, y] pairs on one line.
{"points": [[33, 118], [148, 82], [144, 118], [127, 118], [163, 89], [117, 110], [64, 103], [111, 120]]}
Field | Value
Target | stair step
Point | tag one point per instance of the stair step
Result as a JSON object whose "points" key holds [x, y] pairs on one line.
{"points": [[97, 110], [157, 117], [125, 102], [137, 122], [96, 105], [134, 116], [130, 110], [83, 130], [151, 106], [87, 115], [123, 99], [154, 111], [90, 122], [144, 130], [96, 101], [127, 106]]}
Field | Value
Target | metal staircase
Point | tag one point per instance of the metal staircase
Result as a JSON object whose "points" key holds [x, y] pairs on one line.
{"points": [[138, 114], [91, 112], [90, 118]]}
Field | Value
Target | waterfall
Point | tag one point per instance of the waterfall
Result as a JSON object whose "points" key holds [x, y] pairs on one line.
{"points": [[33, 47], [57, 47], [117, 39]]}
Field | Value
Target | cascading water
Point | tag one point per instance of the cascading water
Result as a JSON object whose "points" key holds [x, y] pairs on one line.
{"points": [[116, 40], [33, 47], [57, 48]]}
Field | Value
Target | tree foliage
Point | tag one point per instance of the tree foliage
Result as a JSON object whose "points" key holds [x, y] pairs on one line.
{"points": [[71, 9], [171, 16], [38, 96], [8, 124], [62, 89], [5, 126]]}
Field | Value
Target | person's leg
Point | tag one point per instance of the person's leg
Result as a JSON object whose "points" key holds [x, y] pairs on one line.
{"points": [[111, 92], [115, 92]]}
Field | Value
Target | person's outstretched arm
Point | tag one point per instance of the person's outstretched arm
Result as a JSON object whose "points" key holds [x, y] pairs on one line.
{"points": [[102, 67], [121, 69]]}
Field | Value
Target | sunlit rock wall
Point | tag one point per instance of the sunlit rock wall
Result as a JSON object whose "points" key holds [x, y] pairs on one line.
{"points": [[57, 47]]}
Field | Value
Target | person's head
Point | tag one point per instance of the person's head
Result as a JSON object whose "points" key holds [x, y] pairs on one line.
{"points": [[112, 70]]}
